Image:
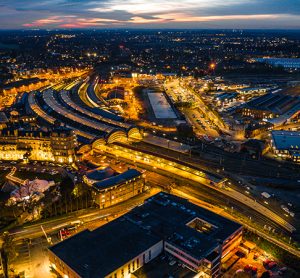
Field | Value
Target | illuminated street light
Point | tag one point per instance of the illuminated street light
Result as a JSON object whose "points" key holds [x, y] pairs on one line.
{"points": [[212, 66]]}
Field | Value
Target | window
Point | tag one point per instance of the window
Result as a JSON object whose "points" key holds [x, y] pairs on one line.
{"points": [[115, 275], [133, 266], [137, 263], [144, 258], [149, 255], [128, 268]]}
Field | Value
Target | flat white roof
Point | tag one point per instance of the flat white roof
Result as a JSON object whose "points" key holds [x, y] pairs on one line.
{"points": [[161, 107]]}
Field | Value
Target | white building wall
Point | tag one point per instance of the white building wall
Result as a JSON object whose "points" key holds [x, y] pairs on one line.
{"points": [[137, 262]]}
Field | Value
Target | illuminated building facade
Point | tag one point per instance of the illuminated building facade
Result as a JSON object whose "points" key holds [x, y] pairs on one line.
{"points": [[9, 92], [271, 106], [110, 188], [57, 145], [195, 237], [286, 144]]}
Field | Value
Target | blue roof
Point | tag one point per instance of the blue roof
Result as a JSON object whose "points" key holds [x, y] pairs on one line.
{"points": [[100, 174], [118, 179], [274, 103], [286, 140], [224, 96], [91, 93], [106, 114]]}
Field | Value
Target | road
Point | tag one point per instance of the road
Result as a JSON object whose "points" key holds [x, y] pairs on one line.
{"points": [[217, 210], [175, 169], [54, 225], [201, 164], [198, 196], [33, 259]]}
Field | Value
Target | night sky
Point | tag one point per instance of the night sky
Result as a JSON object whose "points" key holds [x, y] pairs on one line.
{"points": [[29, 14]]}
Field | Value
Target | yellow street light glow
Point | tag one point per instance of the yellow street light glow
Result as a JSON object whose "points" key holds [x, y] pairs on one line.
{"points": [[212, 66]]}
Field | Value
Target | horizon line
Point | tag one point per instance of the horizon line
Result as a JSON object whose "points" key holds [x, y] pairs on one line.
{"points": [[146, 28]]}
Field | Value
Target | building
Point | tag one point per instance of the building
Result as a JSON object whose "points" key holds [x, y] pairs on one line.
{"points": [[3, 120], [56, 145], [225, 98], [252, 90], [286, 144], [24, 85], [271, 106], [194, 236], [253, 147], [110, 188], [9, 92], [257, 128], [287, 63]]}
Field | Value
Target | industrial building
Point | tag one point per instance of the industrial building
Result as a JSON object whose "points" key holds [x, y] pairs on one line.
{"points": [[195, 237], [110, 188], [287, 63], [225, 98], [273, 106], [286, 144]]}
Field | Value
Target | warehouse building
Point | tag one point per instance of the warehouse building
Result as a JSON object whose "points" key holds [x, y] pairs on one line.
{"points": [[272, 106], [287, 63], [194, 236], [286, 144]]}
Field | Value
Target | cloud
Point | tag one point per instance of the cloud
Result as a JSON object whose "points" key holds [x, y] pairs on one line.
{"points": [[76, 22], [150, 13], [158, 6], [44, 22]]}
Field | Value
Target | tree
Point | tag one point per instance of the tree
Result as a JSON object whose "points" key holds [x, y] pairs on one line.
{"points": [[8, 252], [66, 186], [185, 130], [79, 190], [266, 274]]}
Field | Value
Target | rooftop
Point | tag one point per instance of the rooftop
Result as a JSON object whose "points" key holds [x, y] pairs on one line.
{"points": [[99, 174], [275, 103], [160, 267], [3, 118], [19, 83], [226, 96], [118, 179], [171, 217], [163, 216], [27, 131], [100, 252], [286, 140]]}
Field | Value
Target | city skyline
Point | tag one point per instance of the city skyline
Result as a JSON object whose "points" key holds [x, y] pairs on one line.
{"points": [[190, 14], [158, 152]]}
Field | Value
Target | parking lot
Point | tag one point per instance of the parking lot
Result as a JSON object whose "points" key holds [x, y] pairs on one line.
{"points": [[256, 263], [32, 260], [39, 169]]}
